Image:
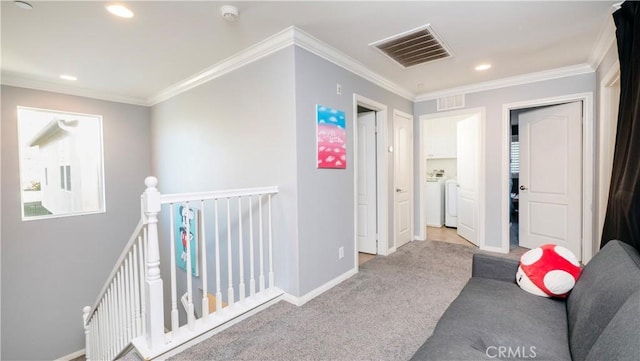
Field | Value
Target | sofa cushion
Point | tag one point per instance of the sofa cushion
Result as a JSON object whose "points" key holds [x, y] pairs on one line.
{"points": [[446, 347], [605, 284], [491, 315], [620, 340]]}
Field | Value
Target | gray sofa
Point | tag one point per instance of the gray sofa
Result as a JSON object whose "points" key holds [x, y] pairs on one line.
{"points": [[493, 319]]}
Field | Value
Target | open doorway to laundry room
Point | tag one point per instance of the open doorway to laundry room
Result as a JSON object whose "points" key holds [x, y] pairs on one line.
{"points": [[451, 175]]}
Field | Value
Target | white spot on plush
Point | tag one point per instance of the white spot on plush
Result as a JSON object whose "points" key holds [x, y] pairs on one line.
{"points": [[525, 283], [531, 257], [559, 281], [566, 254]]}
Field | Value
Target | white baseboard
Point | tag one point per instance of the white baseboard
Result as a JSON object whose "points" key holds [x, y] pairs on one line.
{"points": [[215, 331], [299, 301], [418, 237], [71, 356]]}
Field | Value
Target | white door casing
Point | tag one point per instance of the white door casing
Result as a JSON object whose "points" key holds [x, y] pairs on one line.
{"points": [[607, 127], [550, 195], [366, 178], [403, 177], [384, 188], [468, 139]]}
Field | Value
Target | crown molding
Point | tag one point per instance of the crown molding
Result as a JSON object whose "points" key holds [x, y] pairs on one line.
{"points": [[20, 82], [287, 37], [606, 39], [294, 36], [507, 82], [253, 53], [321, 49]]}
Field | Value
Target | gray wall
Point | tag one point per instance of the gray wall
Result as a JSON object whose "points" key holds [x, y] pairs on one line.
{"points": [[326, 196], [256, 127], [51, 268], [236, 131], [493, 100]]}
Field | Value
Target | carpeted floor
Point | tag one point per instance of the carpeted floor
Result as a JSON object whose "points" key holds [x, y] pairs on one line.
{"points": [[384, 312]]}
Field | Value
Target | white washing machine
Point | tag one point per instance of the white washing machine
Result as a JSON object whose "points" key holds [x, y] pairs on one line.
{"points": [[435, 201], [451, 203]]}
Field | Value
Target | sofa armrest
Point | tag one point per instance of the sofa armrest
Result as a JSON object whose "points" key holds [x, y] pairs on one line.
{"points": [[498, 268]]}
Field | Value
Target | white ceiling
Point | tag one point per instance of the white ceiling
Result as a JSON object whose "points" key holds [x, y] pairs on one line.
{"points": [[166, 42]]}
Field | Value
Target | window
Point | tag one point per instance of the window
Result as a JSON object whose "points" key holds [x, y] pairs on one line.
{"points": [[69, 144], [65, 177]]}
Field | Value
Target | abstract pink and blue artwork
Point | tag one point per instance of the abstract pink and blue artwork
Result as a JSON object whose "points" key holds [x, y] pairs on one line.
{"points": [[331, 138]]}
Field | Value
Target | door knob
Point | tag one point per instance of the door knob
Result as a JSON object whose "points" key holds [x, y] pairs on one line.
{"points": [[523, 188], [398, 190]]}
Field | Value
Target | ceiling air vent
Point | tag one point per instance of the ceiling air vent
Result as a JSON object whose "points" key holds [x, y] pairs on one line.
{"points": [[418, 46]]}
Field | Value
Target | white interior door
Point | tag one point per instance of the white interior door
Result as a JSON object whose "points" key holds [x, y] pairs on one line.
{"points": [[550, 176], [403, 178], [468, 141], [366, 178]]}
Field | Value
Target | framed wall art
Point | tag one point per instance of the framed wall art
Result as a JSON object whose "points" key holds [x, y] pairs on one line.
{"points": [[331, 138]]}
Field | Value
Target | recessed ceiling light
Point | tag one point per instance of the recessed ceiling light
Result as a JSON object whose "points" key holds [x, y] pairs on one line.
{"points": [[23, 5], [120, 10], [482, 67], [68, 77]]}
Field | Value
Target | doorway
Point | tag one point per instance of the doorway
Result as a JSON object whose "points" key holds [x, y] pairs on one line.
{"points": [[584, 218], [371, 183], [546, 184], [367, 200], [462, 161]]}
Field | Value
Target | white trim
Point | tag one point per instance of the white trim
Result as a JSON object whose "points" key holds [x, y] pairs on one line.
{"points": [[294, 36], [609, 79], [606, 39], [208, 334], [588, 157], [71, 356], [507, 82], [70, 90], [299, 301], [253, 53], [321, 49], [422, 174], [287, 37], [382, 165]]}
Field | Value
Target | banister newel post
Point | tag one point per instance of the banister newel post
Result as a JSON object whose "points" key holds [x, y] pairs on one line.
{"points": [[87, 332], [153, 285]]}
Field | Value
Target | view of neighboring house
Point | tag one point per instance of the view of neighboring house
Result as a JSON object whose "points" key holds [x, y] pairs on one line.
{"points": [[65, 159]]}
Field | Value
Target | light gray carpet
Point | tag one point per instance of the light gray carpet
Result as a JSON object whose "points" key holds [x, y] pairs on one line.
{"points": [[385, 312]]}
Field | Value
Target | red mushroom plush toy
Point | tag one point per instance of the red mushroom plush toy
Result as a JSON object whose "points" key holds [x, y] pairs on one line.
{"points": [[548, 271]]}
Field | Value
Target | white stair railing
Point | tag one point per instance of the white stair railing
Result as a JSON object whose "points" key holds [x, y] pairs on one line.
{"points": [[129, 311]]}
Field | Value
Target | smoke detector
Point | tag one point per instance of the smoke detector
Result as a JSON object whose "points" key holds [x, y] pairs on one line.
{"points": [[229, 12]]}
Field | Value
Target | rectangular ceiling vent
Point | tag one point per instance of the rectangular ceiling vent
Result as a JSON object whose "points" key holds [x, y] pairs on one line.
{"points": [[418, 46], [451, 102]]}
